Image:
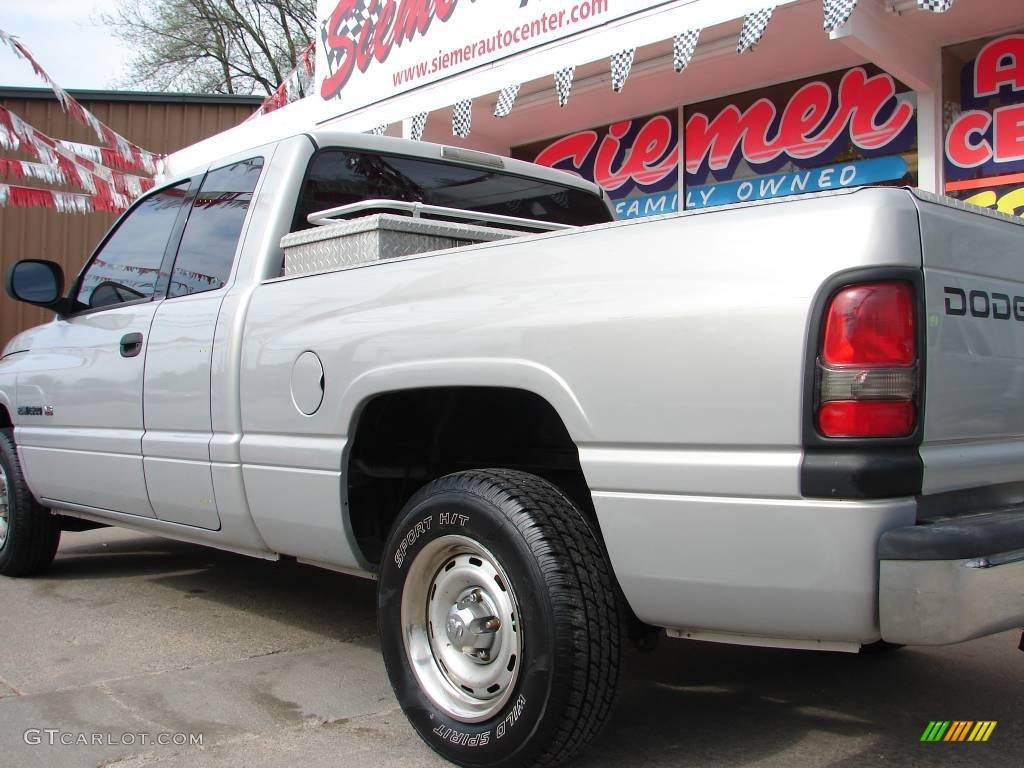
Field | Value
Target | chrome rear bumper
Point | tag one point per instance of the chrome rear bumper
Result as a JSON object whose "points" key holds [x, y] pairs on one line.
{"points": [[947, 582]]}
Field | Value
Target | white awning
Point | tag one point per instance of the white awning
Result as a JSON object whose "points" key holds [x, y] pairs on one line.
{"points": [[412, 79]]}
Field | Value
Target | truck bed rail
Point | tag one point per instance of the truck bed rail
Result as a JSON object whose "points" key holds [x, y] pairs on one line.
{"points": [[328, 216]]}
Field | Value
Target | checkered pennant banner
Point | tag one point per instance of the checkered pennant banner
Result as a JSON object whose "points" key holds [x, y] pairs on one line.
{"points": [[506, 100], [563, 84], [380, 130], [937, 6], [683, 48], [622, 63], [837, 13], [753, 29], [419, 124], [462, 118]]}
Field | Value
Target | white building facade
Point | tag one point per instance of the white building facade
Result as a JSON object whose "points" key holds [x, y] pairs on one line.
{"points": [[683, 104]]}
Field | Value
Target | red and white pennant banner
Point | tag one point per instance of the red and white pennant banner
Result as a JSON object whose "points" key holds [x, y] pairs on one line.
{"points": [[111, 158], [133, 156], [126, 184], [110, 190], [30, 197], [295, 85], [23, 169]]}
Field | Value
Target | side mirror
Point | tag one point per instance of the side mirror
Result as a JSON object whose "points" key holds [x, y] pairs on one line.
{"points": [[36, 282]]}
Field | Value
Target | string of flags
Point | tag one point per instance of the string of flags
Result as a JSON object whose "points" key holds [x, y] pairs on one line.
{"points": [[622, 63], [837, 13], [134, 156], [462, 118], [31, 197], [563, 84], [936, 6], [419, 124], [111, 190], [86, 166], [295, 85], [25, 169], [754, 26], [506, 100], [684, 46]]}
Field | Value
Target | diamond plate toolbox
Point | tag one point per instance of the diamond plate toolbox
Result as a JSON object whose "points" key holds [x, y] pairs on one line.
{"points": [[377, 237]]}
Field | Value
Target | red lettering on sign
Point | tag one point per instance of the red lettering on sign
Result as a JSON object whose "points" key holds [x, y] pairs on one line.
{"points": [[381, 41], [978, 137], [396, 24], [865, 98], [574, 149], [801, 134], [342, 44], [966, 146], [722, 137], [606, 151], [641, 163], [1009, 134], [967, 143], [806, 112], [650, 159], [648, 163], [1000, 63]]}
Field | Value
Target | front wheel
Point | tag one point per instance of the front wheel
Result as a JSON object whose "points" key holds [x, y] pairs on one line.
{"points": [[499, 622], [29, 534]]}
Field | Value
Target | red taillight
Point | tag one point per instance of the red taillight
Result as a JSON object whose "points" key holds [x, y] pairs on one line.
{"points": [[867, 419], [871, 324], [867, 370]]}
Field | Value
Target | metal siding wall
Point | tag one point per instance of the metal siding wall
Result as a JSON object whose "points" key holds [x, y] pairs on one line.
{"points": [[69, 239]]}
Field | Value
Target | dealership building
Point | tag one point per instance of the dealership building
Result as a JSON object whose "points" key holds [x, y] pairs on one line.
{"points": [[687, 104]]}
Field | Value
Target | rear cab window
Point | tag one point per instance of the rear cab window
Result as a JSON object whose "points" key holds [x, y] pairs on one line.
{"points": [[338, 177]]}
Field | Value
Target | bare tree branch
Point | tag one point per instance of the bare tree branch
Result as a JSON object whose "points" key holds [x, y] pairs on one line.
{"points": [[213, 46]]}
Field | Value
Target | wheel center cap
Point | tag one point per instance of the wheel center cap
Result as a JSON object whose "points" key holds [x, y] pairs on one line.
{"points": [[471, 625], [456, 629]]}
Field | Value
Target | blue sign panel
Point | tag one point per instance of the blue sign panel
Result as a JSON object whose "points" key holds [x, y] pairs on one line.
{"points": [[856, 174]]}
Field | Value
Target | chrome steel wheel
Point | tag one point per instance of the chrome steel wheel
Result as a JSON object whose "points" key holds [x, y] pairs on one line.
{"points": [[460, 626], [5, 508]]}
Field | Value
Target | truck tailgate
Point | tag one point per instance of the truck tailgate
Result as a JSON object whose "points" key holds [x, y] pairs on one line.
{"points": [[974, 383]]}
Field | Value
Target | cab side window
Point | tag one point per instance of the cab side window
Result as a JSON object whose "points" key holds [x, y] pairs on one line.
{"points": [[126, 268], [210, 239]]}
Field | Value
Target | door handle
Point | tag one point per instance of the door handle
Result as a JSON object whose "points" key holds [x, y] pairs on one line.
{"points": [[131, 344]]}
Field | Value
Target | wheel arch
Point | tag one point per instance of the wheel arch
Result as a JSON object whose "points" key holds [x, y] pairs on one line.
{"points": [[408, 425], [466, 372]]}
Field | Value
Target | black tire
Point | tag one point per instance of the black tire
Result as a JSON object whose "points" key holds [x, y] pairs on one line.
{"points": [[569, 617], [32, 533]]}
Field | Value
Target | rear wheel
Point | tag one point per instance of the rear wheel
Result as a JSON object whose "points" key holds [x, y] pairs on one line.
{"points": [[29, 534], [499, 621]]}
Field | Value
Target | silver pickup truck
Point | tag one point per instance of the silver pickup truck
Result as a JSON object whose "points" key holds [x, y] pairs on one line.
{"points": [[796, 424]]}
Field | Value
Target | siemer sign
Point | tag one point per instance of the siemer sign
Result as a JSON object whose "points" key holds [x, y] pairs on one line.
{"points": [[374, 49]]}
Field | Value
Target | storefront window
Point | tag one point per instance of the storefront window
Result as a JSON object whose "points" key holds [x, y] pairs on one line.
{"points": [[984, 122], [636, 162], [844, 129]]}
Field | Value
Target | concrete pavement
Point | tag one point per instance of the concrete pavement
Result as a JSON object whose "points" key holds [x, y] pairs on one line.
{"points": [[278, 664]]}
